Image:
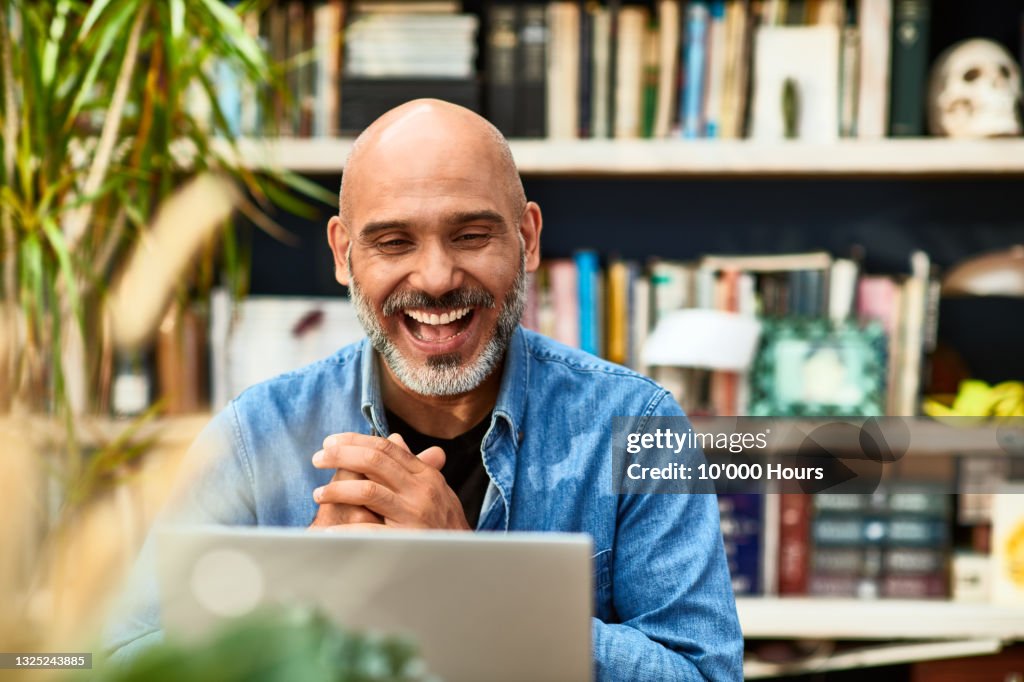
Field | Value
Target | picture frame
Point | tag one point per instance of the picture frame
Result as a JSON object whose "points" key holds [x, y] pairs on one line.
{"points": [[812, 368]]}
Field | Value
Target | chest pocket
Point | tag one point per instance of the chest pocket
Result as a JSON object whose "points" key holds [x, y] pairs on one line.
{"points": [[602, 562]]}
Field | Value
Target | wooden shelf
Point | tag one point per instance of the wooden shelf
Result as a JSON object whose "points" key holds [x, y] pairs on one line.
{"points": [[921, 436], [819, 618], [700, 158]]}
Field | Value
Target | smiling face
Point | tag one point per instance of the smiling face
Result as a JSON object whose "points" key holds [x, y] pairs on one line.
{"points": [[434, 246]]}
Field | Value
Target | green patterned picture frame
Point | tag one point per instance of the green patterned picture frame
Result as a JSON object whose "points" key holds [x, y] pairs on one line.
{"points": [[811, 368]]}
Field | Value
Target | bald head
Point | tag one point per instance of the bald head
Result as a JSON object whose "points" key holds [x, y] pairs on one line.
{"points": [[430, 136]]}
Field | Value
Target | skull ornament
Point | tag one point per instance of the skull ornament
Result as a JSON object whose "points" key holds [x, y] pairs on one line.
{"points": [[975, 91]]}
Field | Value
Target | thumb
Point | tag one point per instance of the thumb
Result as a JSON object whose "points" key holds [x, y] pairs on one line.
{"points": [[433, 456]]}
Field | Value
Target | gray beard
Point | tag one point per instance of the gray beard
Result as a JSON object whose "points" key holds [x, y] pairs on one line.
{"points": [[448, 374]]}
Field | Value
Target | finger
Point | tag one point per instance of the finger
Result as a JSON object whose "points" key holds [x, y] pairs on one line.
{"points": [[369, 494], [398, 440], [433, 456], [372, 463], [336, 514], [397, 452], [350, 527]]}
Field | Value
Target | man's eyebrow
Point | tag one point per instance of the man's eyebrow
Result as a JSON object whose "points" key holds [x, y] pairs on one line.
{"points": [[485, 216], [456, 218], [372, 228]]}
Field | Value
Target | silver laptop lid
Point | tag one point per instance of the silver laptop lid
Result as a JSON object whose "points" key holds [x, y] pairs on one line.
{"points": [[479, 606]]}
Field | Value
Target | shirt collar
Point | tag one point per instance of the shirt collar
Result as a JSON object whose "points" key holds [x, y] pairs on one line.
{"points": [[510, 405]]}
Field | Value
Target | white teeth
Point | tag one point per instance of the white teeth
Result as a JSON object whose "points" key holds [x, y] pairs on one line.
{"points": [[435, 319]]}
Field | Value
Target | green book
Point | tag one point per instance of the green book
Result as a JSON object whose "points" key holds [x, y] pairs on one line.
{"points": [[910, 29]]}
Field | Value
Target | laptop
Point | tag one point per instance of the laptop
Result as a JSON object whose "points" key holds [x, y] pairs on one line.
{"points": [[480, 606]]}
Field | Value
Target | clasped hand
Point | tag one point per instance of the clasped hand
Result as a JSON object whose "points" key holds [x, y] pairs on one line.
{"points": [[380, 483]]}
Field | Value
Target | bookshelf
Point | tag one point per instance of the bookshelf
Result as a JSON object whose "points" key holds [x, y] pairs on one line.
{"points": [[898, 158], [881, 619], [889, 194]]}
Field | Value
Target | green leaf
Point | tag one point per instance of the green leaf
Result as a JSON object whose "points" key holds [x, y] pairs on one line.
{"points": [[92, 16], [228, 30], [177, 19], [52, 49], [113, 30], [60, 248]]}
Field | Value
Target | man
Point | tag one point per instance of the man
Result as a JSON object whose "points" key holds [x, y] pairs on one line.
{"points": [[452, 416]]}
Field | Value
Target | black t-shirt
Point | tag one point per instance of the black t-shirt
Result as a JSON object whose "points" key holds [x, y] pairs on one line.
{"points": [[463, 468]]}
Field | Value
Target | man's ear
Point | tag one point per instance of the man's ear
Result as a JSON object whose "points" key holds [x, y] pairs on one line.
{"points": [[338, 238], [530, 227]]}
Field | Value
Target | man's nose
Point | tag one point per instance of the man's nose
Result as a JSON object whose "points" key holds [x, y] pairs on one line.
{"points": [[437, 271]]}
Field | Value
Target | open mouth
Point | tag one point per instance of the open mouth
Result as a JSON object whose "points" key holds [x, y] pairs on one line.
{"points": [[437, 326]]}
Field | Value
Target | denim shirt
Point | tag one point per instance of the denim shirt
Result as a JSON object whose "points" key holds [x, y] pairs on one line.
{"points": [[664, 607]]}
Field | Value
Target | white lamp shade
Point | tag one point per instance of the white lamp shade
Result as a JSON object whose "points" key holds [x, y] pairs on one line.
{"points": [[709, 339]]}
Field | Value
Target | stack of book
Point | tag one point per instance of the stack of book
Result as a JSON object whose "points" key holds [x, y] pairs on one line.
{"points": [[397, 51], [891, 544], [713, 68], [673, 68], [611, 311]]}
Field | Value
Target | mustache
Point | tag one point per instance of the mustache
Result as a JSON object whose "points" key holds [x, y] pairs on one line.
{"points": [[456, 298]]}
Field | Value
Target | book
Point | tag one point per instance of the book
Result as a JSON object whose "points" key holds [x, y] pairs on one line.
{"points": [[742, 521], [563, 70], [849, 80], [531, 99], [586, 61], [910, 34], [795, 510], [618, 312], [649, 88], [588, 274], [564, 284], [814, 260], [329, 21], [698, 18], [875, 24], [716, 63], [780, 57], [735, 79], [502, 71], [668, 66], [629, 77], [600, 78]]}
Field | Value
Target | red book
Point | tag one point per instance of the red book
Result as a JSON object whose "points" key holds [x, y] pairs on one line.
{"points": [[794, 543]]}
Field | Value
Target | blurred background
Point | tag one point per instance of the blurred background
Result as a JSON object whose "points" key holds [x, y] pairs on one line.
{"points": [[847, 173]]}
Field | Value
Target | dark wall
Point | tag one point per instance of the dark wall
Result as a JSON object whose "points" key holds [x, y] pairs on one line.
{"points": [[949, 219]]}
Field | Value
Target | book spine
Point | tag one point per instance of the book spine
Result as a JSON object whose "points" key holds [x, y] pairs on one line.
{"points": [[794, 543], [848, 81], [874, 18], [585, 124], [667, 66], [531, 102], [588, 271], [694, 57], [911, 23], [502, 50], [563, 70], [716, 59], [650, 83], [618, 312], [629, 80], [601, 77], [742, 519], [565, 301]]}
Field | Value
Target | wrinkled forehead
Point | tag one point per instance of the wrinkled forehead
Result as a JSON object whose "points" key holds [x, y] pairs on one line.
{"points": [[420, 163]]}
